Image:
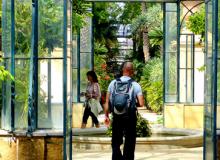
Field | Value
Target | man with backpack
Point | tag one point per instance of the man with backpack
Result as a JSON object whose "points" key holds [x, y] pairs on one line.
{"points": [[122, 95]]}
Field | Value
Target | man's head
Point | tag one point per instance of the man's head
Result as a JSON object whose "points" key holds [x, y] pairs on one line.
{"points": [[128, 69]]}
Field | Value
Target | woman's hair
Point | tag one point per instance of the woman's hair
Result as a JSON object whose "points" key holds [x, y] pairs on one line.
{"points": [[93, 75]]}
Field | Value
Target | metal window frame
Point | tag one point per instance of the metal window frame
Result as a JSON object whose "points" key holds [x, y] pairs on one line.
{"points": [[78, 65], [12, 64], [84, 52], [186, 68], [166, 54], [33, 75], [214, 85]]}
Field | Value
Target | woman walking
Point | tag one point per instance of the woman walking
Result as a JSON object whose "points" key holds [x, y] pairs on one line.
{"points": [[92, 104]]}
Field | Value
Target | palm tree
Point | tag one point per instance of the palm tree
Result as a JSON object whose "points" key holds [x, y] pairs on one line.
{"points": [[149, 19], [145, 35], [156, 38]]}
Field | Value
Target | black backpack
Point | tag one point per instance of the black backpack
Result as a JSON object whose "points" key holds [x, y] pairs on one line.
{"points": [[122, 96]]}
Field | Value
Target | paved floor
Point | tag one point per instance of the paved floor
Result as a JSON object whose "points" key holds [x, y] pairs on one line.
{"points": [[164, 154], [155, 154]]}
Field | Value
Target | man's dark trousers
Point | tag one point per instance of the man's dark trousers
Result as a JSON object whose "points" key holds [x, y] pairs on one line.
{"points": [[124, 125]]}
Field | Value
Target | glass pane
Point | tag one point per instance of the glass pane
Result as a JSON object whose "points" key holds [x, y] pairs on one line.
{"points": [[199, 76], [6, 28], [183, 54], [50, 28], [6, 48], [74, 57], [6, 110], [84, 68], [171, 32], [68, 136], [189, 47], [22, 91], [85, 36], [69, 111], [170, 52], [74, 85], [183, 85], [218, 82], [171, 7], [74, 65], [218, 86], [23, 27], [218, 95], [44, 94], [85, 54], [186, 80], [50, 94], [189, 87], [208, 137], [171, 77]]}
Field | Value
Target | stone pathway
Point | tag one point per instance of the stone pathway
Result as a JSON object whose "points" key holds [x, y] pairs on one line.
{"points": [[164, 154], [148, 154]]}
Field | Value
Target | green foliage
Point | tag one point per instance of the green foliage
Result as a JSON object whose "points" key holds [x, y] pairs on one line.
{"points": [[105, 16], [50, 36], [104, 75], [50, 29], [22, 91], [196, 22], [138, 70], [130, 11], [80, 12], [160, 120], [100, 49], [142, 128], [202, 68], [156, 41], [151, 22], [4, 74], [151, 19], [156, 36], [23, 22], [152, 84]]}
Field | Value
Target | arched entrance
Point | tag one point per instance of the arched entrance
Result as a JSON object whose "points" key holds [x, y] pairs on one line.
{"points": [[47, 66]]}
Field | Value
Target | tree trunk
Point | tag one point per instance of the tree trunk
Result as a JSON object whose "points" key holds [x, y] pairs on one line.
{"points": [[145, 36], [146, 45]]}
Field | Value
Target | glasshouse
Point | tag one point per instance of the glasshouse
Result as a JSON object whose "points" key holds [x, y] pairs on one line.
{"points": [[48, 47]]}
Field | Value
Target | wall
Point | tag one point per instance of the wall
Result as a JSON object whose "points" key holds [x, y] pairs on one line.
{"points": [[35, 148], [183, 116]]}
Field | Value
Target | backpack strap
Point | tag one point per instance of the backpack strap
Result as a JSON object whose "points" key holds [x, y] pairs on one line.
{"points": [[131, 94], [118, 79]]}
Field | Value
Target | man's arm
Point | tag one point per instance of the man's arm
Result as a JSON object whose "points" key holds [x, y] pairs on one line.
{"points": [[106, 106], [106, 110], [140, 99], [139, 94]]}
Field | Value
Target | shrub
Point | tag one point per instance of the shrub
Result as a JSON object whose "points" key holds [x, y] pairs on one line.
{"points": [[142, 128], [152, 84], [196, 22], [138, 70]]}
